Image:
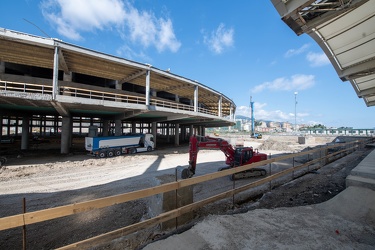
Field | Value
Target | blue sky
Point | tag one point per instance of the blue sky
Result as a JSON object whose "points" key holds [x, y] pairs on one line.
{"points": [[239, 48]]}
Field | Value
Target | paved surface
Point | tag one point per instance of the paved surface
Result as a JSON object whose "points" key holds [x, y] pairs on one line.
{"points": [[347, 221], [364, 174]]}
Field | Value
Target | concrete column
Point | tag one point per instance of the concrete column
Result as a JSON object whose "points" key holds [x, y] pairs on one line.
{"points": [[203, 131], [2, 67], [105, 128], [183, 133], [154, 132], [168, 133], [16, 127], [118, 127], [148, 87], [40, 125], [134, 127], [231, 112], [25, 133], [177, 135], [8, 127], [219, 106], [80, 125], [196, 98], [177, 98], [55, 78], [66, 134], [68, 77], [118, 86], [191, 130], [1, 126]]}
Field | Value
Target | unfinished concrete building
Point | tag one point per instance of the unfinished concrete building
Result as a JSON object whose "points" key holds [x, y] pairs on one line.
{"points": [[50, 87]]}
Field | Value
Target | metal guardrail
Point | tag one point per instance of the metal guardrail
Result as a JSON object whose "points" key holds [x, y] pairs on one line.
{"points": [[97, 95]]}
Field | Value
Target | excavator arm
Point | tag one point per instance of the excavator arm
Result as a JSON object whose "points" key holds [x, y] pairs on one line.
{"points": [[197, 142]]}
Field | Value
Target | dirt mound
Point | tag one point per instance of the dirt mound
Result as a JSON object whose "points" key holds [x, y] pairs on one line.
{"points": [[275, 145]]}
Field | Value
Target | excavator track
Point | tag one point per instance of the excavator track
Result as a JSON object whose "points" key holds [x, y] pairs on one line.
{"points": [[255, 172]]}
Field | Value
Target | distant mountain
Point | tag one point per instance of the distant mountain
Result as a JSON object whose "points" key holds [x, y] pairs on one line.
{"points": [[242, 117]]}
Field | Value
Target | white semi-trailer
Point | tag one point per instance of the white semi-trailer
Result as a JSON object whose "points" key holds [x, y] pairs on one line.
{"points": [[108, 146]]}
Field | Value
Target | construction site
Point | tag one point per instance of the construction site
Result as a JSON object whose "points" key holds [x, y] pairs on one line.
{"points": [[130, 201], [101, 152]]}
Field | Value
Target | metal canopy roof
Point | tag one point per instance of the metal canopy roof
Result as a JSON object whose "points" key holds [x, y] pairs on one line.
{"points": [[345, 30], [24, 49]]}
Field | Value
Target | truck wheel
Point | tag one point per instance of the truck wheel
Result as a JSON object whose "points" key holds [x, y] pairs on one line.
{"points": [[149, 148], [102, 154], [132, 151], [117, 152], [110, 153]]}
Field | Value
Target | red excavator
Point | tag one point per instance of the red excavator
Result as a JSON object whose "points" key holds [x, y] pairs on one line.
{"points": [[235, 157]]}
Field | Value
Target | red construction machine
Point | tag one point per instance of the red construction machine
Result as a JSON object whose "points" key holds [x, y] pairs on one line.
{"points": [[235, 157]]}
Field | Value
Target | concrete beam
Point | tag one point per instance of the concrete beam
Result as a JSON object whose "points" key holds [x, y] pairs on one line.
{"points": [[132, 77], [60, 108]]}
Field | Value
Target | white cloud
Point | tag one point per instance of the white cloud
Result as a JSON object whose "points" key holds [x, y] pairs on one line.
{"points": [[166, 37], [261, 113], [295, 82], [72, 17], [219, 39], [293, 52], [126, 52], [317, 59]]}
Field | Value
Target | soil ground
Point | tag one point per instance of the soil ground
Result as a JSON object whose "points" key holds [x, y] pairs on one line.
{"points": [[47, 179]]}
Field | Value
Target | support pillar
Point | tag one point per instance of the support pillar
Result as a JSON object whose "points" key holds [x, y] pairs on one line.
{"points": [[1, 126], [41, 125], [55, 77], [25, 133], [168, 133], [183, 133], [66, 134], [8, 127], [105, 131], [177, 135], [196, 98], [134, 127], [220, 106], [148, 87], [191, 130], [118, 127], [16, 126], [2, 67], [154, 132], [203, 131], [68, 77]]}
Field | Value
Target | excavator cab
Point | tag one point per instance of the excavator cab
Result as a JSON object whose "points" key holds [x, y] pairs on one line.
{"points": [[242, 156]]}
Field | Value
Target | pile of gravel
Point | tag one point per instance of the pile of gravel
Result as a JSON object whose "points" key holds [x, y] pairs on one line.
{"points": [[275, 145]]}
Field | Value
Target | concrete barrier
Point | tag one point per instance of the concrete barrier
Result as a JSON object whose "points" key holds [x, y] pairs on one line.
{"points": [[167, 201]]}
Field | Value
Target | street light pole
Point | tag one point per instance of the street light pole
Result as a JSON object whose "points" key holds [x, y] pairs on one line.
{"points": [[295, 111]]}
